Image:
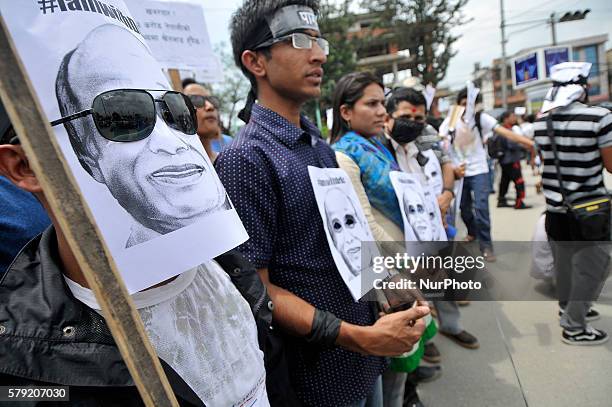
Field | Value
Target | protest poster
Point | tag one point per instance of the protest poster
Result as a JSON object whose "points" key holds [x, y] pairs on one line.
{"points": [[156, 200], [419, 207], [177, 35], [433, 172], [346, 227]]}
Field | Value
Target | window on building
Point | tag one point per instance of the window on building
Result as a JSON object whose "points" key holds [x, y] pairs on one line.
{"points": [[590, 54]]}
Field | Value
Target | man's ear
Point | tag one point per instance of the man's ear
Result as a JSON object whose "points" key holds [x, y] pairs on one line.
{"points": [[254, 63], [15, 166]]}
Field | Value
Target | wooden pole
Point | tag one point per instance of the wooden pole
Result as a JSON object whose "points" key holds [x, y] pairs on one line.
{"points": [[175, 77], [64, 197]]}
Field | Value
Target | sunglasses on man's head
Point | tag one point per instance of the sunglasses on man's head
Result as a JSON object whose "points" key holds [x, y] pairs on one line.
{"points": [[125, 115], [298, 41], [200, 101]]}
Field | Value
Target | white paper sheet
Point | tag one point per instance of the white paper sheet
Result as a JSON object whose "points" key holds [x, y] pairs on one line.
{"points": [[158, 202], [177, 34], [345, 225], [430, 94], [420, 210], [433, 172]]}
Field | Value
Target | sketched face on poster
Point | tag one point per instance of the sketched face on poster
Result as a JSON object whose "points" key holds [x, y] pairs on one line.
{"points": [[433, 212], [416, 212], [419, 207], [156, 200], [346, 227], [165, 182], [433, 171]]}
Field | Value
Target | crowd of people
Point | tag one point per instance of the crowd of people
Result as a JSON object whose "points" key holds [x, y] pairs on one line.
{"points": [[273, 322]]}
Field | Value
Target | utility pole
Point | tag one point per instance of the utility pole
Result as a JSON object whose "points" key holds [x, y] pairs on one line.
{"points": [[504, 89], [553, 28]]}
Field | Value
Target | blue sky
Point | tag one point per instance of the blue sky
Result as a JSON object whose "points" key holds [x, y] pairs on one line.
{"points": [[481, 38]]}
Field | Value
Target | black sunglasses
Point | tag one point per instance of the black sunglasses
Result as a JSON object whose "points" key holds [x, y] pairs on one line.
{"points": [[125, 115], [200, 101]]}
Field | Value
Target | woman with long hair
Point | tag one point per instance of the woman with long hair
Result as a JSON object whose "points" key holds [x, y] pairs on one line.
{"points": [[359, 117]]}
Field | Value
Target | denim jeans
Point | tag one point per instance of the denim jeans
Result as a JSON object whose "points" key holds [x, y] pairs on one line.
{"points": [[375, 399], [475, 209], [393, 388], [491, 163], [449, 317]]}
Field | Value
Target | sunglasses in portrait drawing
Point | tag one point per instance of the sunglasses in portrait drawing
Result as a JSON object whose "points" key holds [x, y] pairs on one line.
{"points": [[346, 227]]}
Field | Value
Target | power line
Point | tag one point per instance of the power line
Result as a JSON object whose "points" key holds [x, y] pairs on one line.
{"points": [[539, 6], [524, 29]]}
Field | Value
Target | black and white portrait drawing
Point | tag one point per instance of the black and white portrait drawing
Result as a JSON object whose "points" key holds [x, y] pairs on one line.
{"points": [[416, 212], [165, 182], [128, 140], [346, 227], [419, 207], [349, 236], [435, 216]]}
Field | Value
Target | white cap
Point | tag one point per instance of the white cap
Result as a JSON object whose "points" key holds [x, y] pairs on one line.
{"points": [[570, 71], [569, 78]]}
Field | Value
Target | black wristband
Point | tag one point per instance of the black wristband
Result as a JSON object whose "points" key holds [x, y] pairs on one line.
{"points": [[325, 329], [449, 190]]}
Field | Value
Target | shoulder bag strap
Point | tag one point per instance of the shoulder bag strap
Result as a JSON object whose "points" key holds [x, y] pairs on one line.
{"points": [[551, 135]]}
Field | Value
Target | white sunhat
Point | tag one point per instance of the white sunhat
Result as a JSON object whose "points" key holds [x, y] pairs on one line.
{"points": [[568, 79]]}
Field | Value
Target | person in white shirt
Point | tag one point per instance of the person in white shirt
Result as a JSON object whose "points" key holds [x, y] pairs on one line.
{"points": [[468, 147]]}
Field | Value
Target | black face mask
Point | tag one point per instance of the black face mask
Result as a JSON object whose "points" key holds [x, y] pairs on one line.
{"points": [[404, 130]]}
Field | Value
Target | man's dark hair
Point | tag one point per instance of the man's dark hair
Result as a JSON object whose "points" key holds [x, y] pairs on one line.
{"points": [[463, 94], [348, 91], [7, 133], [188, 81], [403, 94], [249, 28], [505, 115], [530, 118]]}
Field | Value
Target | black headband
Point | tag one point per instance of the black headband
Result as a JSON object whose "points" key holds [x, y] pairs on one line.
{"points": [[580, 81]]}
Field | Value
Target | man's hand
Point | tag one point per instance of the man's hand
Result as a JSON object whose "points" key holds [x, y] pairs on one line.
{"points": [[444, 202], [460, 171], [392, 335]]}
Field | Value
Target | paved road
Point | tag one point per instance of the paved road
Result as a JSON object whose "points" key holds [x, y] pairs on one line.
{"points": [[522, 361]]}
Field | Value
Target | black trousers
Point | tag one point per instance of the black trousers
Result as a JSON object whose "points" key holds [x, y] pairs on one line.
{"points": [[581, 268], [512, 172]]}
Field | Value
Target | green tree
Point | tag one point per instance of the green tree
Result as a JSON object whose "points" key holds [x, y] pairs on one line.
{"points": [[425, 28], [335, 23], [232, 92]]}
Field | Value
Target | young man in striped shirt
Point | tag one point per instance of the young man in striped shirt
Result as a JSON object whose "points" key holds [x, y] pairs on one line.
{"points": [[583, 138]]}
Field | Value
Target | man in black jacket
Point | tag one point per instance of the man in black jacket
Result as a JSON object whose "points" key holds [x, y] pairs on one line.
{"points": [[52, 331]]}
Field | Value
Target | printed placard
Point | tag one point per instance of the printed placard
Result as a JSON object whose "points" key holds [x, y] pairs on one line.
{"points": [[419, 207], [433, 172], [158, 201], [178, 37], [346, 226]]}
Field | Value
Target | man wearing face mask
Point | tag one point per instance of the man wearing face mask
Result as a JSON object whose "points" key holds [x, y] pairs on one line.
{"points": [[407, 136]]}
